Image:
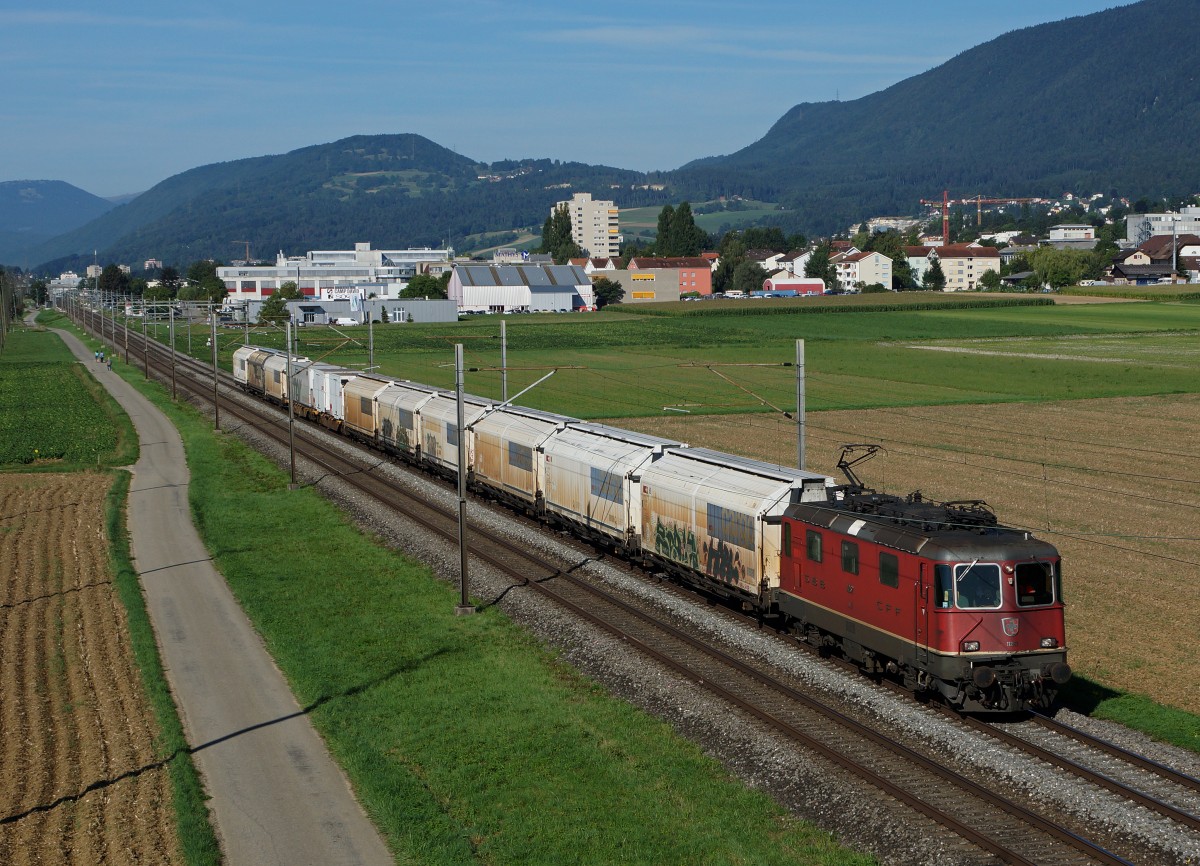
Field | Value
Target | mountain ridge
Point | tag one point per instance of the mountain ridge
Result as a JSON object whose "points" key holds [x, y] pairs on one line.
{"points": [[1034, 112]]}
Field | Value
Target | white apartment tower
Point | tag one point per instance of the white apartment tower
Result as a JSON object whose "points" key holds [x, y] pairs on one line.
{"points": [[595, 225]]}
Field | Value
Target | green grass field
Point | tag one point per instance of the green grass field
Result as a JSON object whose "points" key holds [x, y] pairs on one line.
{"points": [[617, 364], [53, 415], [642, 222]]}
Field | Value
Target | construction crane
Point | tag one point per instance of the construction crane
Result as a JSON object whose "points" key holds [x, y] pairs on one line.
{"points": [[978, 201], [247, 243]]}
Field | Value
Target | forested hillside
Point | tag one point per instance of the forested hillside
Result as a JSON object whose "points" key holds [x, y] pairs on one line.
{"points": [[390, 190], [1100, 103], [33, 211]]}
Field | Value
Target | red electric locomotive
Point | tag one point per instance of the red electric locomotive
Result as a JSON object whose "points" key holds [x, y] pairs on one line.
{"points": [[939, 595]]}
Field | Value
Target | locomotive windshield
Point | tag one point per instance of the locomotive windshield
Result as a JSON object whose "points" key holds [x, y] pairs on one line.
{"points": [[977, 585], [1035, 583]]}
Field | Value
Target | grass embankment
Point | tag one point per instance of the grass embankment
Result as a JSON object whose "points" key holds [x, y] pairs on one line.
{"points": [[54, 416], [464, 739]]}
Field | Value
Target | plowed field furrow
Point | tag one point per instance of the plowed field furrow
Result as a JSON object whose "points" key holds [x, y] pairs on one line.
{"points": [[72, 711]]}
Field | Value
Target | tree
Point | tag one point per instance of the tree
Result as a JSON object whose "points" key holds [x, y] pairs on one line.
{"points": [[683, 237], [662, 240], [274, 309], [158, 294], [425, 286], [607, 291], [556, 236], [989, 282], [114, 281], [39, 290], [169, 279], [1059, 268], [748, 277], [733, 253], [935, 278], [206, 285], [819, 266]]}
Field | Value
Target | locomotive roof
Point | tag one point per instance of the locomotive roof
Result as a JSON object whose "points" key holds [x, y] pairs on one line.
{"points": [[951, 531]]}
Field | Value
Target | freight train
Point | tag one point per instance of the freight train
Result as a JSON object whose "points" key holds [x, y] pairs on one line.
{"points": [[939, 596]]}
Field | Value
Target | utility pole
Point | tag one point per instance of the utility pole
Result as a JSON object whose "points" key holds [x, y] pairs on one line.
{"points": [[503, 362], [800, 404], [370, 339], [172, 311], [145, 342], [216, 394], [464, 607], [291, 410]]}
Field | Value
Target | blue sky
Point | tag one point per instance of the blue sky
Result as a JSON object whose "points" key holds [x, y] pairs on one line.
{"points": [[116, 97]]}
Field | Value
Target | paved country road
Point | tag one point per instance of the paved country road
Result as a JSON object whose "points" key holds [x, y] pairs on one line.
{"points": [[277, 796]]}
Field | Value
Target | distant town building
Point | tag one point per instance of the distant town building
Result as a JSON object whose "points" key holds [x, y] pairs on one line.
{"points": [[1072, 236], [94, 271], [785, 282], [891, 223], [332, 274], [595, 225], [863, 268], [964, 264], [509, 256], [1072, 232], [65, 282], [600, 263], [1142, 227], [691, 273], [480, 288], [152, 265], [919, 261]]}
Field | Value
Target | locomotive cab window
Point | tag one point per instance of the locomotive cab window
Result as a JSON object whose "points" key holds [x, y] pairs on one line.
{"points": [[812, 541], [849, 557], [787, 539], [889, 570], [977, 585], [943, 591], [1035, 583]]}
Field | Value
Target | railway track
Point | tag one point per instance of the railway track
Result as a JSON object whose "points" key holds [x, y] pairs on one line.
{"points": [[1011, 831]]}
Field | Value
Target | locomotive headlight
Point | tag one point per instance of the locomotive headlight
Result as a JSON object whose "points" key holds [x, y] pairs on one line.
{"points": [[970, 646], [1049, 642]]}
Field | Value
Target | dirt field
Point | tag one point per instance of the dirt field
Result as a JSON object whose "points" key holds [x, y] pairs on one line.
{"points": [[1130, 541], [79, 780]]}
